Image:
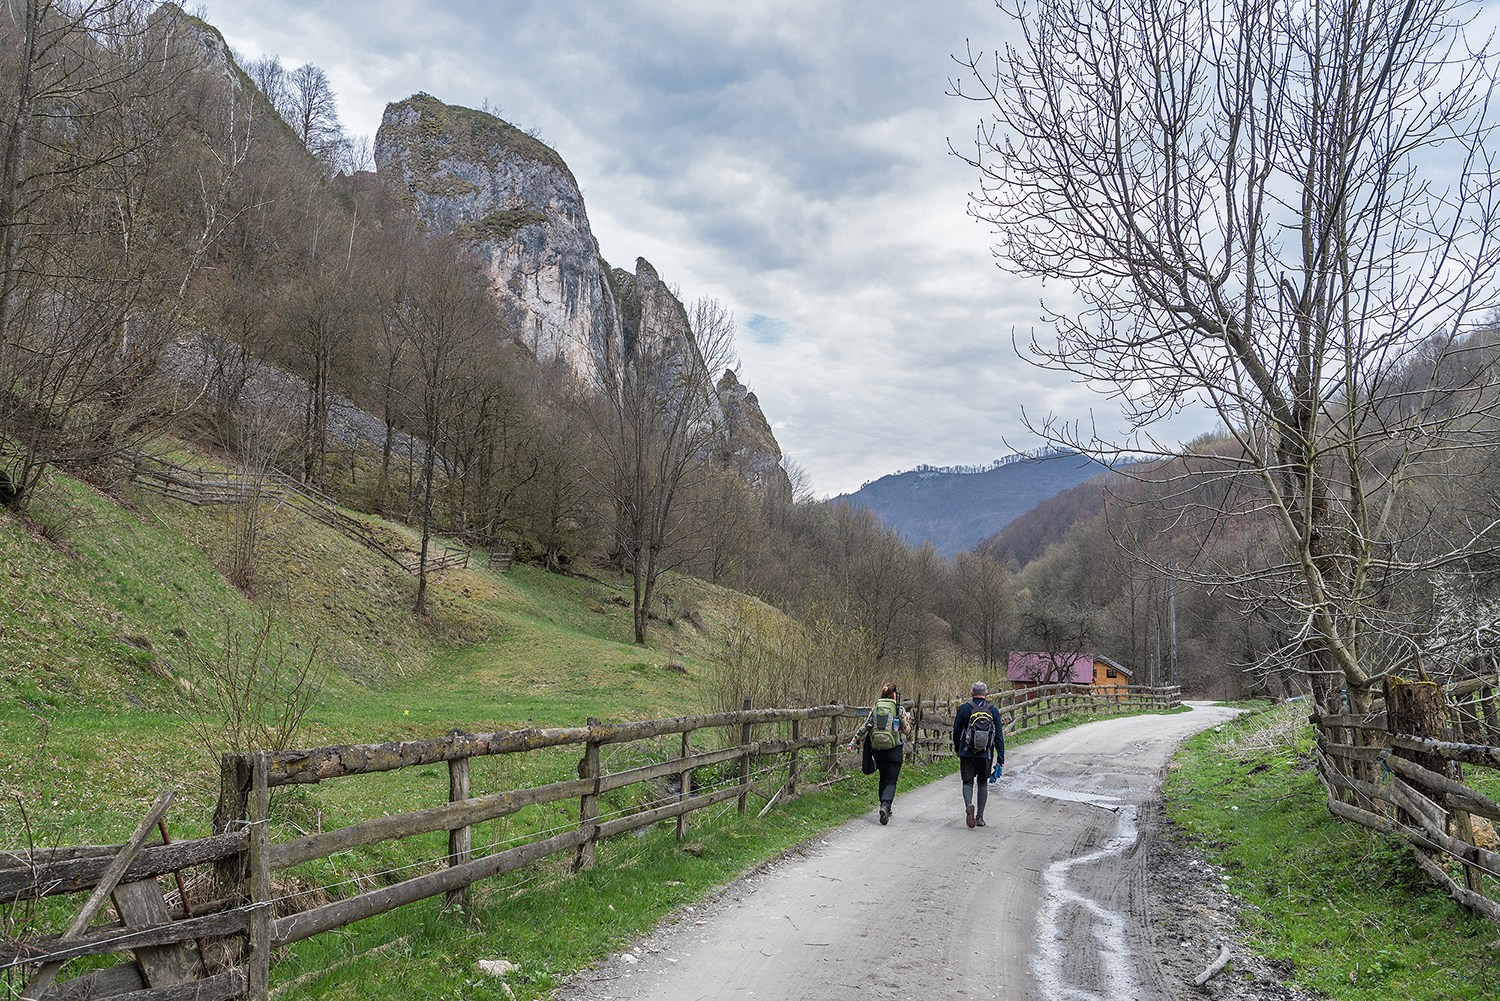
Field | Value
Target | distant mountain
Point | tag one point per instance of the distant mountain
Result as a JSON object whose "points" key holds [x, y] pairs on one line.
{"points": [[956, 507]]}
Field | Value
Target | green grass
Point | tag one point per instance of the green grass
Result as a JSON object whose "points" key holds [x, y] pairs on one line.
{"points": [[1346, 907]]}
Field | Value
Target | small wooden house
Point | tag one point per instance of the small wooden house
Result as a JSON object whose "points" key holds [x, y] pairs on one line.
{"points": [[1030, 669]]}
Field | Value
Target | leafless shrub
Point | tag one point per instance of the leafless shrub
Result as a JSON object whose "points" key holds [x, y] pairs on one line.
{"points": [[253, 692]]}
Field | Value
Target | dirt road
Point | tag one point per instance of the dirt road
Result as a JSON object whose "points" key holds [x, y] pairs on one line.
{"points": [[1046, 903]]}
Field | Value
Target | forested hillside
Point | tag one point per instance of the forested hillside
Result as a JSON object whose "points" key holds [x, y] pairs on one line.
{"points": [[956, 509]]}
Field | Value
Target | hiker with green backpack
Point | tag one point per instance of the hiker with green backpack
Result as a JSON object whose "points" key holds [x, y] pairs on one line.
{"points": [[885, 727], [977, 741]]}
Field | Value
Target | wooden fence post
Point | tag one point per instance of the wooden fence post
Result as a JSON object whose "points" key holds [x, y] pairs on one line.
{"points": [[916, 730], [791, 777], [744, 761], [262, 907], [235, 772], [1490, 725], [1418, 709], [833, 745], [685, 780], [460, 839], [588, 806]]}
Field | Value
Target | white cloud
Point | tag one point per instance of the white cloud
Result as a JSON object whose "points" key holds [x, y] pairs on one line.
{"points": [[788, 158]]}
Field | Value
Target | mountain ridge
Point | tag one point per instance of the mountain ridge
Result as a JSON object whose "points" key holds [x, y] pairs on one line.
{"points": [[957, 510]]}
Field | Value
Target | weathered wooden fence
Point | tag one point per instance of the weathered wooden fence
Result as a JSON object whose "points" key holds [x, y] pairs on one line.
{"points": [[220, 944], [236, 934], [209, 486], [1400, 770], [1028, 708]]}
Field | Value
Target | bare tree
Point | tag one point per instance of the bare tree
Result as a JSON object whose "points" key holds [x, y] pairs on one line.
{"points": [[271, 78], [92, 270], [654, 420], [314, 113], [985, 597], [447, 315], [1268, 209]]}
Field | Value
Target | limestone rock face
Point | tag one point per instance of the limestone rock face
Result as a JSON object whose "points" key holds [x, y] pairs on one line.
{"points": [[751, 447], [513, 201]]}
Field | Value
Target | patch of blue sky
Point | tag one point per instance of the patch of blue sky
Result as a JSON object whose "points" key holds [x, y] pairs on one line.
{"points": [[766, 329]]}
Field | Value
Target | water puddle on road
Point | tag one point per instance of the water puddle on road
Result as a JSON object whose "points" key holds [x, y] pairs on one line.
{"points": [[1107, 926], [1092, 799]]}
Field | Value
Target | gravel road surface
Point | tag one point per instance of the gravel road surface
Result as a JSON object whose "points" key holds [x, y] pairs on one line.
{"points": [[1048, 902]]}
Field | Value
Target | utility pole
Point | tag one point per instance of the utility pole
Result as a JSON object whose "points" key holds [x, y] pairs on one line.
{"points": [[1172, 624]]}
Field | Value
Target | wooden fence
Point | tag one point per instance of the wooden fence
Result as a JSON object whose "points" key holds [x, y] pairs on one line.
{"points": [[220, 944], [207, 486], [1400, 770], [1028, 708]]}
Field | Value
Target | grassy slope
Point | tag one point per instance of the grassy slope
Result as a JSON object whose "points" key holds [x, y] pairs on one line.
{"points": [[1346, 907]]}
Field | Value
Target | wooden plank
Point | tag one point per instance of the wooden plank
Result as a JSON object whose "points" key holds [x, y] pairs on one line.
{"points": [[231, 984], [438, 818], [140, 904], [1373, 755], [1416, 803], [33, 857], [106, 886], [77, 874], [684, 783], [1332, 775], [1474, 801], [317, 764], [1435, 831], [295, 927], [106, 983], [116, 939], [648, 817], [460, 839], [1474, 754], [1468, 898], [1374, 721], [588, 804]]}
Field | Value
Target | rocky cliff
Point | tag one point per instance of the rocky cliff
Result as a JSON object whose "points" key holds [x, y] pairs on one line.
{"points": [[751, 448], [512, 200]]}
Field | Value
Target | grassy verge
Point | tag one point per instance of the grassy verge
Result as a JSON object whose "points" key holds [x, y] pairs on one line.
{"points": [[1346, 907]]}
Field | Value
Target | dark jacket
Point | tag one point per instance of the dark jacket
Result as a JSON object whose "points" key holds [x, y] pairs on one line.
{"points": [[961, 723]]}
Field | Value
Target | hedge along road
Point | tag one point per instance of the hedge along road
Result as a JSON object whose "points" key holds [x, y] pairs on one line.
{"points": [[1047, 902]]}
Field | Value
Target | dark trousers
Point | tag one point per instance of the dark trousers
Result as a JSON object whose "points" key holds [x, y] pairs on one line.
{"points": [[969, 770], [888, 763]]}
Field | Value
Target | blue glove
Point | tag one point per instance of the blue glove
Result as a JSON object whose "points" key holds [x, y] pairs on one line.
{"points": [[995, 775]]}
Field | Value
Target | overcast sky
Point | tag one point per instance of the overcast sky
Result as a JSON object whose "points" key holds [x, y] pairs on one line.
{"points": [[786, 157]]}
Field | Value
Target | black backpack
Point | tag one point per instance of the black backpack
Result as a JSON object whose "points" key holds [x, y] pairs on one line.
{"points": [[980, 734]]}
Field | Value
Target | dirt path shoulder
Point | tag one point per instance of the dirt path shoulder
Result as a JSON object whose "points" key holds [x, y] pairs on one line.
{"points": [[1050, 901]]}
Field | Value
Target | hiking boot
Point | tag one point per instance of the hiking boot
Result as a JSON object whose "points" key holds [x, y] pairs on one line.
{"points": [[885, 814], [969, 813], [978, 821]]}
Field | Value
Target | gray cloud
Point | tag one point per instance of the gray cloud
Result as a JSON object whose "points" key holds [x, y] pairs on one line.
{"points": [[787, 157]]}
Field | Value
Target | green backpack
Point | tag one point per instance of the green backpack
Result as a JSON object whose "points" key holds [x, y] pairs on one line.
{"points": [[885, 731]]}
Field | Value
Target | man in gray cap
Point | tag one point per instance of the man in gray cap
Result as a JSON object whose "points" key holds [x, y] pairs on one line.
{"points": [[976, 740]]}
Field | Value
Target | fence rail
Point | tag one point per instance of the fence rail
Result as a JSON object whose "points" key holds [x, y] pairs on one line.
{"points": [[206, 486], [243, 925], [1400, 770]]}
